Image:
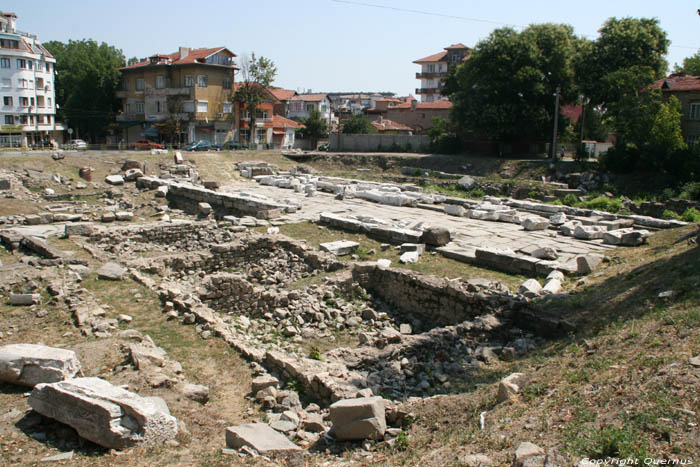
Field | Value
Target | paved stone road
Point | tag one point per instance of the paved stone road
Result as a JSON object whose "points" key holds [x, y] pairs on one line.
{"points": [[467, 233]]}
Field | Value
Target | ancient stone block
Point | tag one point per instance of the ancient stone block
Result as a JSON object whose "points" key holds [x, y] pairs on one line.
{"points": [[29, 364], [356, 419], [262, 438], [102, 413]]}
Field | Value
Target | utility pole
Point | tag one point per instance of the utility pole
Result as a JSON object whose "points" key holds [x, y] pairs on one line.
{"points": [[556, 122]]}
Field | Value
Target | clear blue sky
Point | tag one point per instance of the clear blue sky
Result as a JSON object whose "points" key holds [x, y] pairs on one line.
{"points": [[328, 45]]}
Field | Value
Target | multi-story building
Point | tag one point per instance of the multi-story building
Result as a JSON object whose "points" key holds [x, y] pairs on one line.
{"points": [[28, 112], [301, 104], [686, 88], [434, 69], [180, 97]]}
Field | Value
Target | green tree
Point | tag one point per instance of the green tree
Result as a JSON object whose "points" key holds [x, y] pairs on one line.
{"points": [[506, 89], [691, 65], [257, 75], [359, 125], [87, 78], [627, 45], [315, 127]]}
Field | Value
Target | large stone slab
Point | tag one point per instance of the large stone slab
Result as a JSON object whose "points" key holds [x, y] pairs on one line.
{"points": [[114, 179], [340, 248], [262, 438], [30, 364], [104, 414], [25, 299], [40, 247], [361, 418], [111, 272]]}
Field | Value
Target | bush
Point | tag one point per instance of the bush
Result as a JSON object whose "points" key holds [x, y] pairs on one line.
{"points": [[603, 203], [691, 191], [570, 200], [691, 215], [668, 215]]}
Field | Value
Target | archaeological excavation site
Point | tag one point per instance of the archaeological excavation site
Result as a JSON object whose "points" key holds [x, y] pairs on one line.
{"points": [[252, 308]]}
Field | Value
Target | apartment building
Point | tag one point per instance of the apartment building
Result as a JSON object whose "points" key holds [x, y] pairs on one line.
{"points": [[182, 97], [28, 111], [434, 69], [301, 105]]}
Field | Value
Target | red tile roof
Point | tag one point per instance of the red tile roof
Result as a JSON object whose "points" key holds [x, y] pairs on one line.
{"points": [[438, 57], [678, 82], [309, 97], [388, 125], [459, 45], [279, 121], [573, 112], [441, 104], [283, 94], [194, 56]]}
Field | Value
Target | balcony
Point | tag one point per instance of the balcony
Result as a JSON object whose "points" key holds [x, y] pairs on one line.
{"points": [[168, 91], [426, 91], [431, 75]]}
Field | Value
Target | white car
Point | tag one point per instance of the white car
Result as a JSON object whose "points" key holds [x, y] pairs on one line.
{"points": [[77, 144]]}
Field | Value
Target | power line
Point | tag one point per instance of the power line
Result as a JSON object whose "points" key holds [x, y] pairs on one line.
{"points": [[464, 18]]}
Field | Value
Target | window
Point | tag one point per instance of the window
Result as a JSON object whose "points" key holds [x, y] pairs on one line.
{"points": [[695, 111], [6, 83], [226, 84], [21, 63], [40, 83], [39, 66], [40, 119], [228, 107], [431, 68], [9, 119], [127, 109], [7, 100], [40, 101], [48, 102], [160, 82], [22, 83], [189, 81], [309, 107], [125, 85], [139, 107], [22, 119], [24, 102], [30, 64], [260, 135], [202, 106], [202, 81], [692, 139], [48, 68], [140, 84], [31, 102], [5, 63], [188, 106], [157, 107]]}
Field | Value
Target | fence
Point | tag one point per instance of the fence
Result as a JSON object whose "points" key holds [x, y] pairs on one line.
{"points": [[378, 143]]}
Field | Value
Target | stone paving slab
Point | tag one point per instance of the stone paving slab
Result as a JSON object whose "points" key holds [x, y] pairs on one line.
{"points": [[467, 233]]}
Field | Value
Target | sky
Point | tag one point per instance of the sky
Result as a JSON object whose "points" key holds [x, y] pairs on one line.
{"points": [[335, 45]]}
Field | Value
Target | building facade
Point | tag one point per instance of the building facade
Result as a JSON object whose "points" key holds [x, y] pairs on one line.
{"points": [[301, 104], [686, 88], [27, 70], [434, 69], [179, 98]]}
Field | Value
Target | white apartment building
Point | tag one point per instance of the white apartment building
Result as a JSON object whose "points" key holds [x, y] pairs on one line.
{"points": [[27, 96], [434, 69]]}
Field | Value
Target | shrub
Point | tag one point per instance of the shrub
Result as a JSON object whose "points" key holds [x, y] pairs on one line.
{"points": [[691, 191], [603, 203], [668, 214], [570, 200], [691, 215]]}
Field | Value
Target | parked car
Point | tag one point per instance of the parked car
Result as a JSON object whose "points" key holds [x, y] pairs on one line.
{"points": [[77, 144], [145, 145], [233, 145], [199, 146], [324, 147]]}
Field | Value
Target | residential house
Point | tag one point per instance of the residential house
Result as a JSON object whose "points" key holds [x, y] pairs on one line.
{"points": [[419, 115], [686, 88], [283, 96], [27, 77], [382, 105], [263, 118], [284, 131], [434, 69], [388, 127], [189, 90], [301, 105]]}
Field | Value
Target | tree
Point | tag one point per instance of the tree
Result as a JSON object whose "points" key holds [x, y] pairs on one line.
{"points": [[506, 89], [257, 75], [171, 127], [359, 125], [627, 45], [87, 78], [691, 65], [315, 127]]}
